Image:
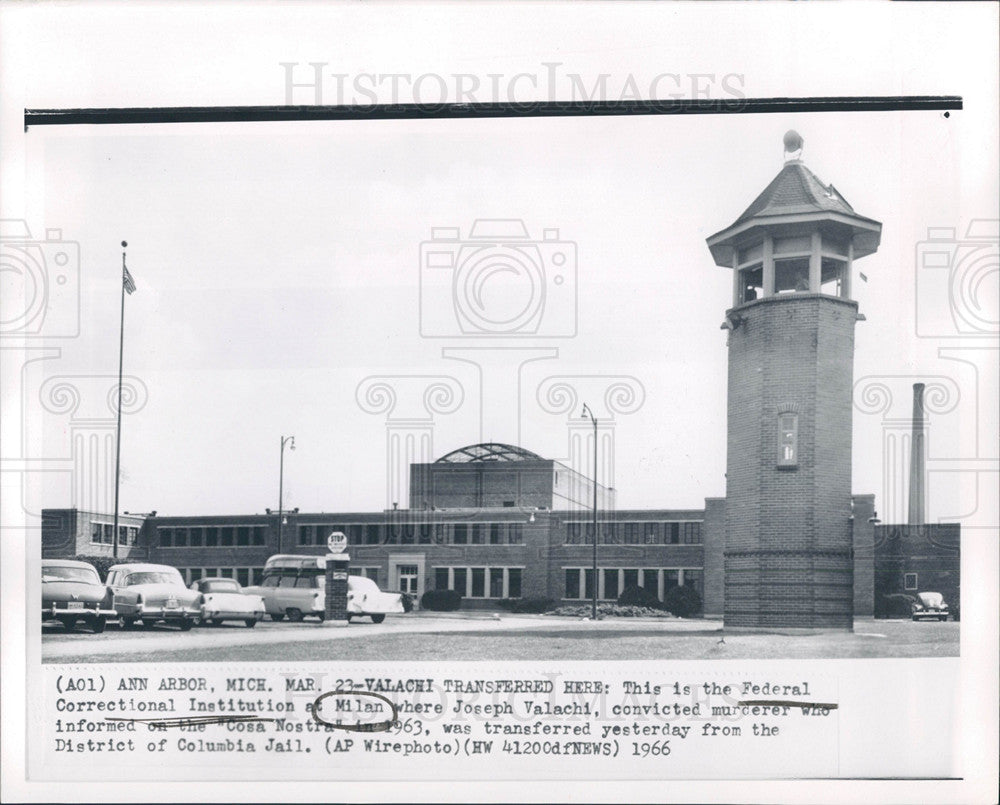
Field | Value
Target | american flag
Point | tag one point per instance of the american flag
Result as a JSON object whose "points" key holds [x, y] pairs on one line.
{"points": [[128, 281]]}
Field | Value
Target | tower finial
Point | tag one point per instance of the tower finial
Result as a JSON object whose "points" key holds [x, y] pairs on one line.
{"points": [[793, 145]]}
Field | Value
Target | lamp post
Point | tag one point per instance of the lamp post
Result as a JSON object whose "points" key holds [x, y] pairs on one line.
{"points": [[289, 440], [593, 598]]}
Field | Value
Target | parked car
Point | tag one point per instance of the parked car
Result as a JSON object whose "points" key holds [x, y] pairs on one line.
{"points": [[295, 587], [72, 592], [930, 605], [365, 598], [225, 600], [146, 594]]}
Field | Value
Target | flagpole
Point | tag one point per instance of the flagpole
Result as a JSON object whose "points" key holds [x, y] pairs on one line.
{"points": [[118, 435]]}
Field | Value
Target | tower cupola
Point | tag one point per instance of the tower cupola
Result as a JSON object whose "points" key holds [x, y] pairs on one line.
{"points": [[798, 236]]}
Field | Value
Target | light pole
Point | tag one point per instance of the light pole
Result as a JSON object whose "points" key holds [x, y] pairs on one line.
{"points": [[289, 440], [593, 589]]}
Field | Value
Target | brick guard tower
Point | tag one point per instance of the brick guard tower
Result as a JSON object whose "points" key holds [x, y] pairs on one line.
{"points": [[788, 558]]}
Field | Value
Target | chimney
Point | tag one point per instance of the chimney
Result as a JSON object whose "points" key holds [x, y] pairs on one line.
{"points": [[917, 458]]}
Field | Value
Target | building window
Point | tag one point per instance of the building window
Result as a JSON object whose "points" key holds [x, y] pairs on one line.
{"points": [[610, 583], [651, 580], [211, 537], [671, 579], [243, 576], [572, 582], [194, 574], [477, 534], [371, 535], [258, 535], [424, 533], [478, 583], [461, 534], [692, 533], [515, 534], [695, 580], [166, 537], [514, 582], [195, 537], [226, 537], [632, 533], [909, 581], [788, 440], [651, 534], [751, 283], [460, 585], [441, 578], [630, 578], [496, 582], [257, 575], [495, 531], [180, 537], [588, 583]]}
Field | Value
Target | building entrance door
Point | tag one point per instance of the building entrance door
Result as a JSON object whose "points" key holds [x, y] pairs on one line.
{"points": [[408, 576]]}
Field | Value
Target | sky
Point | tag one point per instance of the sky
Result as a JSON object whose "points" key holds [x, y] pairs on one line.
{"points": [[279, 266]]}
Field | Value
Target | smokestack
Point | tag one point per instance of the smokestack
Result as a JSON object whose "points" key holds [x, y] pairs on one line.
{"points": [[917, 458]]}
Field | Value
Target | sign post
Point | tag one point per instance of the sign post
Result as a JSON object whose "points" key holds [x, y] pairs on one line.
{"points": [[337, 563]]}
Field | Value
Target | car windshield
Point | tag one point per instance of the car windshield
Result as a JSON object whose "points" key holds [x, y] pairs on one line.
{"points": [[152, 577], [84, 574], [220, 586], [931, 599]]}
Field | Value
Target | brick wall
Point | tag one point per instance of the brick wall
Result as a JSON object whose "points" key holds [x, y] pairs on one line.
{"points": [[714, 540], [788, 532]]}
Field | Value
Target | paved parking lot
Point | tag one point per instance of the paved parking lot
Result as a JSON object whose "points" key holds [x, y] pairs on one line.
{"points": [[479, 636]]}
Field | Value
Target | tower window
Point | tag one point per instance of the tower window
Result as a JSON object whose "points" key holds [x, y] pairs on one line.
{"points": [[751, 283], [788, 440]]}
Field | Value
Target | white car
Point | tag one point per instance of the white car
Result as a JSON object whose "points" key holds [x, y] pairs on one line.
{"points": [[224, 600], [294, 587], [150, 593]]}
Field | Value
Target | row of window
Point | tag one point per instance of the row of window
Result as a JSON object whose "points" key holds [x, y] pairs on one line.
{"points": [[480, 582], [635, 533], [244, 575], [416, 533], [212, 536], [612, 580], [103, 534]]}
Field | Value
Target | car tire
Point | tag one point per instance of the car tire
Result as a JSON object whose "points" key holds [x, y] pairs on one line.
{"points": [[127, 623], [294, 614], [378, 618], [250, 622], [321, 616], [69, 623], [216, 621], [349, 616], [146, 623], [186, 625], [280, 616], [97, 624]]}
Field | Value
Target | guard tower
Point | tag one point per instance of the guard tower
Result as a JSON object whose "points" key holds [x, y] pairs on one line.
{"points": [[788, 560]]}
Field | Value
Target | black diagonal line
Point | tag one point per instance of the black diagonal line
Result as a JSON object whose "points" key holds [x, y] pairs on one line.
{"points": [[416, 111]]}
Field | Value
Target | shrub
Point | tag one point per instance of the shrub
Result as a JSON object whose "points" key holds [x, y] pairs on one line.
{"points": [[635, 596], [407, 600], [896, 605], [440, 600], [682, 601], [532, 604], [609, 611], [102, 563]]}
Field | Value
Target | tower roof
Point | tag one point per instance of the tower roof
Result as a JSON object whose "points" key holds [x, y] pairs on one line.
{"points": [[796, 190], [796, 201]]}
